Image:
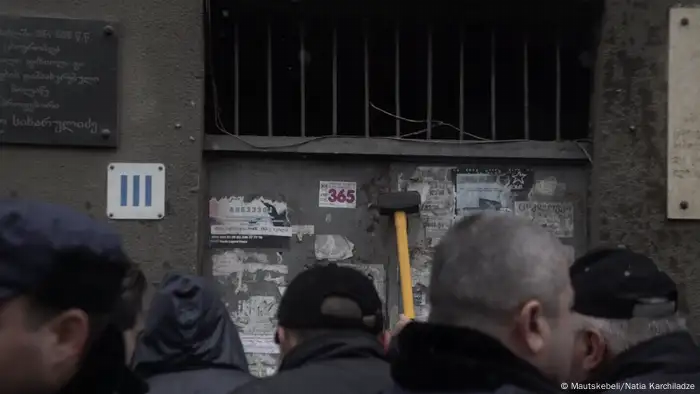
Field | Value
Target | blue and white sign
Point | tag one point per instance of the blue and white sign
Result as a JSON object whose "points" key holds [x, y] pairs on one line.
{"points": [[136, 191]]}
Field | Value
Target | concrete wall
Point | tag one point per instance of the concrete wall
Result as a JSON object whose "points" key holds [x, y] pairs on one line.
{"points": [[629, 171], [161, 117]]}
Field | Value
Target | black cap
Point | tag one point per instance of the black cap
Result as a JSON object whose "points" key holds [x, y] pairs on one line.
{"points": [[616, 283], [302, 305], [39, 241]]}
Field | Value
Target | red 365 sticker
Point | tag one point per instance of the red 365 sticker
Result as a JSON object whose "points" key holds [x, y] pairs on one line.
{"points": [[337, 194]]}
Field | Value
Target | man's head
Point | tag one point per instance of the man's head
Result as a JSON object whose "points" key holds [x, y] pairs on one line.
{"points": [[508, 278], [328, 299], [622, 299], [61, 275]]}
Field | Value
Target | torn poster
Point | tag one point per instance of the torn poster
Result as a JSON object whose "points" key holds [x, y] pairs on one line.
{"points": [[375, 272], [259, 343], [557, 217], [258, 223], [257, 315], [489, 189], [436, 188], [420, 276], [262, 365], [333, 247], [243, 269]]}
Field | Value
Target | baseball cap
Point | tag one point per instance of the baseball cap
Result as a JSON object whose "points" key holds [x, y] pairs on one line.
{"points": [[306, 301], [43, 244], [617, 283]]}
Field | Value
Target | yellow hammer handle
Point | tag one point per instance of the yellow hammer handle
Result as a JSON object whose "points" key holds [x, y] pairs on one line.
{"points": [[404, 264]]}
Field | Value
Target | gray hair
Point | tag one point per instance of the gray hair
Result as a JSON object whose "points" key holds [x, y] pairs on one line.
{"points": [[621, 335], [489, 264]]}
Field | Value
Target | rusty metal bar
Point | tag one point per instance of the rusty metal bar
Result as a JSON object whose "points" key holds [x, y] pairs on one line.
{"points": [[558, 109], [493, 84], [365, 47], [526, 86], [397, 77], [335, 81], [302, 78], [269, 79], [236, 82], [429, 87], [461, 82]]}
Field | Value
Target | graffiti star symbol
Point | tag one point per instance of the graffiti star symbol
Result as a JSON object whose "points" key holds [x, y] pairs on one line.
{"points": [[518, 179]]}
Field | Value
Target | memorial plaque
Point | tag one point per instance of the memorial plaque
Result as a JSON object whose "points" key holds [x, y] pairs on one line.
{"points": [[58, 82]]}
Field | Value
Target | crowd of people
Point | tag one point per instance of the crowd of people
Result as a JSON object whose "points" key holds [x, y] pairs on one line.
{"points": [[512, 311]]}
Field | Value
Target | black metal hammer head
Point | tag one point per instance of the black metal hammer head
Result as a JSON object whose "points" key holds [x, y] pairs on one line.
{"points": [[408, 202]]}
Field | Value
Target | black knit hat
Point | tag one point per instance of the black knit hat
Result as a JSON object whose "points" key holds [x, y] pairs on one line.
{"points": [[302, 305], [616, 283]]}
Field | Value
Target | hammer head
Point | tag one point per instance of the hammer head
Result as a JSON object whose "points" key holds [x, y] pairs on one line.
{"points": [[408, 202]]}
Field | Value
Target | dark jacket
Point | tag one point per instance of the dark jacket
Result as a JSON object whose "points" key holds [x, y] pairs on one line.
{"points": [[104, 369], [336, 363], [435, 359], [666, 360], [189, 343]]}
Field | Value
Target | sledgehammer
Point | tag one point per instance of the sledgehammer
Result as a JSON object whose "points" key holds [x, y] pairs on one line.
{"points": [[399, 204]]}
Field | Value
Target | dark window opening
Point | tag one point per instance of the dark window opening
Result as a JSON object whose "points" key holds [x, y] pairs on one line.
{"points": [[285, 71]]}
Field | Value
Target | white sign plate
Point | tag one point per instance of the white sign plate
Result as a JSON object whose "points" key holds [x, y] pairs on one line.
{"points": [[136, 191], [332, 194], [683, 127]]}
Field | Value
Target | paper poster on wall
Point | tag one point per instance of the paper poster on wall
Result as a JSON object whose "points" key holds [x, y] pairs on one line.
{"points": [[557, 217], [256, 223], [437, 190], [262, 365], [489, 189], [420, 276], [336, 194]]}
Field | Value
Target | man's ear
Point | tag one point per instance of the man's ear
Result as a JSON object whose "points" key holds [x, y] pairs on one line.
{"points": [[596, 350], [69, 331], [531, 327]]}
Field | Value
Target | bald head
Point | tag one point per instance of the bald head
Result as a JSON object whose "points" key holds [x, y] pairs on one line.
{"points": [[489, 264]]}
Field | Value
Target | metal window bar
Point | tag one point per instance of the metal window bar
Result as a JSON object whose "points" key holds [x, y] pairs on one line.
{"points": [[236, 82], [397, 77], [526, 42], [526, 87], [461, 83], [493, 84], [429, 87], [302, 78], [365, 43], [558, 92], [269, 80], [335, 81]]}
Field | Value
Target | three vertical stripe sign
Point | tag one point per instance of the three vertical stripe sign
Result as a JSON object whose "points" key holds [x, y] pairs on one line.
{"points": [[136, 191]]}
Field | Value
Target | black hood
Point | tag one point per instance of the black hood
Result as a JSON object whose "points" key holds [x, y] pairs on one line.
{"points": [[188, 327]]}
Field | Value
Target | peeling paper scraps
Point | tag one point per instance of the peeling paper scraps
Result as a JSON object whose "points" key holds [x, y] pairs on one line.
{"points": [[262, 365], [257, 315], [437, 191], [301, 230], [333, 247], [244, 269], [557, 217], [545, 187]]}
